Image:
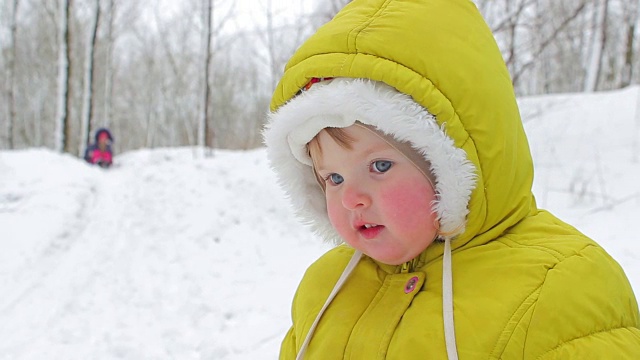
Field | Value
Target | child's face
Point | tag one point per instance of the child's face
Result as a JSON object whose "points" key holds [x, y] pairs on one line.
{"points": [[103, 139], [377, 200]]}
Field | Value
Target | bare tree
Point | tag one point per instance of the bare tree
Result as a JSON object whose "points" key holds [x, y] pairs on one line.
{"points": [[594, 66], [511, 25], [205, 138], [631, 9], [35, 81], [206, 133], [525, 30], [543, 42], [87, 103], [11, 69], [326, 10], [280, 36], [108, 64], [271, 49], [147, 76], [63, 125]]}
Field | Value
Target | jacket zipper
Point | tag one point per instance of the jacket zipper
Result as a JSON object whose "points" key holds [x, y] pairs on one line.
{"points": [[406, 267]]}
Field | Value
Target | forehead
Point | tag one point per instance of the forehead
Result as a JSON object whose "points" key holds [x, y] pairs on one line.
{"points": [[362, 141]]}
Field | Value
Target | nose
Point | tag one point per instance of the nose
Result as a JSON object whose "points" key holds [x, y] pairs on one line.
{"points": [[354, 196]]}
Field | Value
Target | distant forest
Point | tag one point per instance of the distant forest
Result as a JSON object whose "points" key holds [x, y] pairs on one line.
{"points": [[163, 73]]}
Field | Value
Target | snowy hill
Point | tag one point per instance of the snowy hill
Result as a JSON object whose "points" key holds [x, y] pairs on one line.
{"points": [[171, 256]]}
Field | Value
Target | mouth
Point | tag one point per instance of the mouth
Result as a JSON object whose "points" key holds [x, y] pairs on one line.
{"points": [[370, 231]]}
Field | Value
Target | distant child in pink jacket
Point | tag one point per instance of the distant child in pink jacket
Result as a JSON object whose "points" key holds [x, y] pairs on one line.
{"points": [[100, 152]]}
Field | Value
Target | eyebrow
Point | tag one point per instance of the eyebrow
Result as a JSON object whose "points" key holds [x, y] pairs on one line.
{"points": [[369, 150]]}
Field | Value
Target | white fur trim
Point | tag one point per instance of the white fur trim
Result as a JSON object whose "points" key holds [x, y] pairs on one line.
{"points": [[339, 103]]}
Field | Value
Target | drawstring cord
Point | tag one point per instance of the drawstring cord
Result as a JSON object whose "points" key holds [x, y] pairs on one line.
{"points": [[343, 278], [447, 303]]}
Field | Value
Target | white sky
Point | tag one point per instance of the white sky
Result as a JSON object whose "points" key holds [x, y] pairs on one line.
{"points": [[170, 257]]}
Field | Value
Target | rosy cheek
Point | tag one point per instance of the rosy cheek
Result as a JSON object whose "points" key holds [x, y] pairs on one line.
{"points": [[338, 217], [408, 201]]}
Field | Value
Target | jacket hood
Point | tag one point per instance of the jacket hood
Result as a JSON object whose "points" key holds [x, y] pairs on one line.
{"points": [[103, 131], [340, 103], [440, 55]]}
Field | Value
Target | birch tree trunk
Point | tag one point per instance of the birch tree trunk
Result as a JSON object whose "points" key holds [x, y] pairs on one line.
{"points": [[200, 87], [87, 101], [271, 49], [11, 93], [626, 76], [108, 70], [594, 66], [205, 138], [64, 102], [512, 23]]}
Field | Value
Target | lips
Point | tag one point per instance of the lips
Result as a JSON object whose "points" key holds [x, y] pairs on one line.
{"points": [[370, 231]]}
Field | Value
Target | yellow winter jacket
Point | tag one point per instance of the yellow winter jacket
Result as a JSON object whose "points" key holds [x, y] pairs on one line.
{"points": [[525, 284]]}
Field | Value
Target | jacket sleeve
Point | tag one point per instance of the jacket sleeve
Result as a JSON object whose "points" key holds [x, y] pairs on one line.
{"points": [[87, 154], [288, 347], [585, 309]]}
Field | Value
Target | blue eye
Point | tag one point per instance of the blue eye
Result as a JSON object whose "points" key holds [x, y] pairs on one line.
{"points": [[381, 166], [336, 179]]}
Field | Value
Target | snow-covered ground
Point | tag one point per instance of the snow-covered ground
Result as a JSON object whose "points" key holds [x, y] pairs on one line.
{"points": [[172, 256]]}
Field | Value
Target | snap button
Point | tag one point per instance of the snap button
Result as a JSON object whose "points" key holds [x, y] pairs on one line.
{"points": [[411, 285]]}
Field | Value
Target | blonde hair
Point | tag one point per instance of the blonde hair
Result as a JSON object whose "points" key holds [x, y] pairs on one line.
{"points": [[337, 134], [314, 149]]}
